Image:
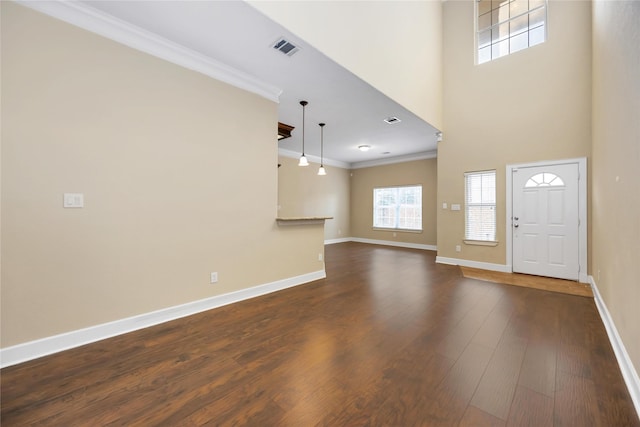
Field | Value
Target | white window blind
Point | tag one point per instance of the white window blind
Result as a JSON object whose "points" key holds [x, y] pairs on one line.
{"points": [[398, 207], [480, 206]]}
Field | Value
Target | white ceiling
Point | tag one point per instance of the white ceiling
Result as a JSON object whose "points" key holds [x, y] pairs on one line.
{"points": [[236, 34]]}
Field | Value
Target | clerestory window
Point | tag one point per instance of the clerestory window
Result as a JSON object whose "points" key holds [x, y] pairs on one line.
{"points": [[507, 26]]}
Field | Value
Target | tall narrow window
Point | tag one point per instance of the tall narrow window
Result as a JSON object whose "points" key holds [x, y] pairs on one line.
{"points": [[507, 26], [398, 207], [480, 206]]}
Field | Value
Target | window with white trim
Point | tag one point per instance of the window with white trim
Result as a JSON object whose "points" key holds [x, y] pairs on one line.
{"points": [[398, 208], [507, 26], [480, 206]]}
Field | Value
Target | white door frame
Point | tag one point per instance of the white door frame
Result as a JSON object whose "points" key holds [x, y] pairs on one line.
{"points": [[582, 210]]}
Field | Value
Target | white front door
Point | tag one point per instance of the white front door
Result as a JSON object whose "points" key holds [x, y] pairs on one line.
{"points": [[545, 220]]}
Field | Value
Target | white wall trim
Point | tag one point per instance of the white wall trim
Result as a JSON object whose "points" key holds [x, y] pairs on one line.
{"points": [[315, 159], [582, 209], [341, 240], [34, 349], [396, 244], [96, 21], [629, 373], [359, 165], [474, 264], [397, 159]]}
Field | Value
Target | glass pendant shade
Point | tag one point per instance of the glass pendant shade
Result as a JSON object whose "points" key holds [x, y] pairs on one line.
{"points": [[303, 161], [322, 171]]}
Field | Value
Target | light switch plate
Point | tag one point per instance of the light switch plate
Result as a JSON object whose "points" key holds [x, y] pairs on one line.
{"points": [[73, 200], [455, 207]]}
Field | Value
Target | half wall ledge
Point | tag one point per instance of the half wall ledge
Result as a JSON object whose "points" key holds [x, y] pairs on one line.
{"points": [[302, 220]]}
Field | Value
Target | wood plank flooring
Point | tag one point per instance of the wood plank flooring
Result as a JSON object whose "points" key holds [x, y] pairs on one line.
{"points": [[389, 338], [536, 282]]}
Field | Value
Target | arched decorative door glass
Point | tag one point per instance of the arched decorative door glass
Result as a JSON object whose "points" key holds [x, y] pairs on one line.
{"points": [[545, 179]]}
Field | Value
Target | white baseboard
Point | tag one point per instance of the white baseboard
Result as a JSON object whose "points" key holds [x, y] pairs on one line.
{"points": [[54, 344], [394, 243], [341, 240], [629, 372], [474, 264], [382, 242]]}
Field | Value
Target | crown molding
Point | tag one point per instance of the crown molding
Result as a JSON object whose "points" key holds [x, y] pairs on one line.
{"points": [[98, 22], [397, 159], [359, 165], [315, 159]]}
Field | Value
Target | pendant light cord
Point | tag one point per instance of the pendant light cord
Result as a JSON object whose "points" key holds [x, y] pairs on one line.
{"points": [[321, 144], [304, 104]]}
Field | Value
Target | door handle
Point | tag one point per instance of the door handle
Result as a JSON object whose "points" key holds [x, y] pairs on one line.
{"points": [[515, 225]]}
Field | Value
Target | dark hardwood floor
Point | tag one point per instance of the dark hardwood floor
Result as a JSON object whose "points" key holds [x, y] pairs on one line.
{"points": [[389, 338]]}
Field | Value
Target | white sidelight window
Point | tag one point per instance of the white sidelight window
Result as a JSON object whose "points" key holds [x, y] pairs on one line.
{"points": [[480, 206]]}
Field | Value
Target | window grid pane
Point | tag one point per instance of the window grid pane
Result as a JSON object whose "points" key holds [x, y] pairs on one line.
{"points": [[508, 26], [480, 206], [398, 207]]}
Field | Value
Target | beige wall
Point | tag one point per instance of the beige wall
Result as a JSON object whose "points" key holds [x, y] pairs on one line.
{"points": [[396, 46], [364, 180], [301, 192], [530, 106], [178, 172], [616, 165]]}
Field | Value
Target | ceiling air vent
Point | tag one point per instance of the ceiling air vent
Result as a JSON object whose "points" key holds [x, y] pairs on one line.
{"points": [[392, 120], [285, 47]]}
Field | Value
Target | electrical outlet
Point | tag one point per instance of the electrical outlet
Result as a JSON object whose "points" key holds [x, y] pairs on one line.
{"points": [[319, 257], [458, 248], [214, 277]]}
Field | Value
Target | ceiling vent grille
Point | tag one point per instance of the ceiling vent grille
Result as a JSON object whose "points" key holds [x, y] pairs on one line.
{"points": [[392, 120], [285, 47]]}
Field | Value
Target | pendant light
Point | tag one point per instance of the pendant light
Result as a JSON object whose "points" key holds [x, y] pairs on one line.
{"points": [[303, 159], [321, 171]]}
